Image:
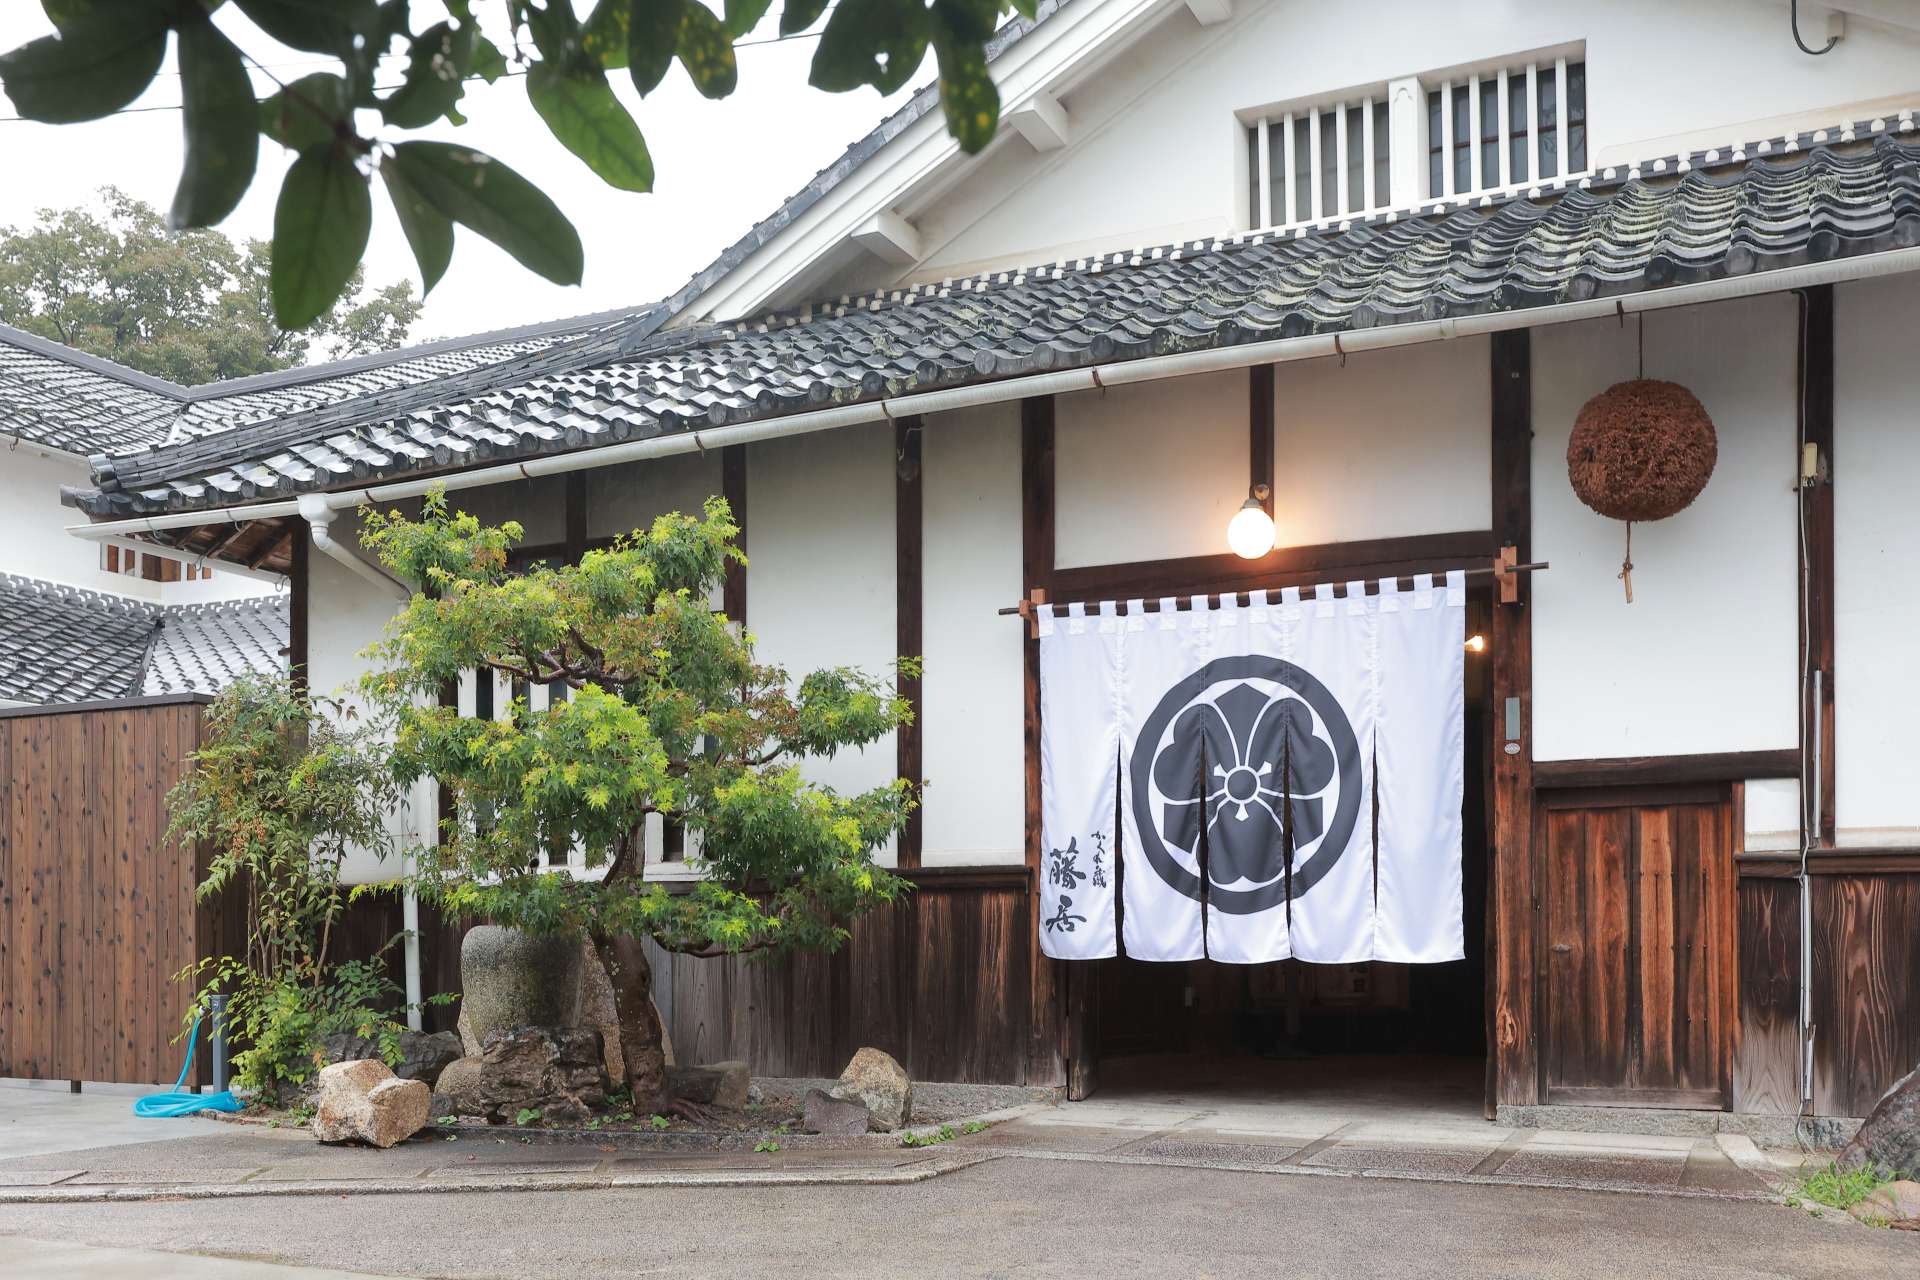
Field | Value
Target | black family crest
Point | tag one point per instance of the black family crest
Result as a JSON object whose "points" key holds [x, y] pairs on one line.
{"points": [[1235, 748]]}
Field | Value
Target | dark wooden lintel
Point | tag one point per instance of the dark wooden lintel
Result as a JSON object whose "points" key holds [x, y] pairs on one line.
{"points": [[1284, 566], [1719, 766]]}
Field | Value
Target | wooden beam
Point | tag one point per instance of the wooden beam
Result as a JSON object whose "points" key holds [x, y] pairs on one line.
{"points": [[1042, 121], [272, 545], [299, 603], [1816, 552], [576, 515], [1513, 927], [1284, 566], [890, 238], [1260, 450], [1623, 771], [733, 487], [1046, 1046], [908, 575]]}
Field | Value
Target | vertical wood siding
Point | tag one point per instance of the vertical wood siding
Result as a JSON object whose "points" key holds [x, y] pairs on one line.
{"points": [[1866, 994], [97, 909]]}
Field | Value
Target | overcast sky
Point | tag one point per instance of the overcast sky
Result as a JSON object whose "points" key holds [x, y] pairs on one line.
{"points": [[719, 168]]}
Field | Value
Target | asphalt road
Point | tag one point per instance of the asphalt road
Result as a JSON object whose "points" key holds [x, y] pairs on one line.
{"points": [[1015, 1216]]}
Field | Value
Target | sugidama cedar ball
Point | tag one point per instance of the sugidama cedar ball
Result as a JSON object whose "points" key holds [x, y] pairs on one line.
{"points": [[1641, 450]]}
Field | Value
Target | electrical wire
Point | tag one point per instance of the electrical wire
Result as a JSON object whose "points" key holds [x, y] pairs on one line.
{"points": [[1793, 13]]}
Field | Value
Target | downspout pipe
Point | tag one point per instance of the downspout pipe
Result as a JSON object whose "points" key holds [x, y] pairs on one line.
{"points": [[1147, 369], [319, 515]]}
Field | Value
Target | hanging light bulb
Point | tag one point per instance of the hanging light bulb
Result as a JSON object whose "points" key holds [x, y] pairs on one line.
{"points": [[1250, 532]]}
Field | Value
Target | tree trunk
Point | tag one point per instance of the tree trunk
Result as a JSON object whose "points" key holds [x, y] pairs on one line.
{"points": [[631, 975]]}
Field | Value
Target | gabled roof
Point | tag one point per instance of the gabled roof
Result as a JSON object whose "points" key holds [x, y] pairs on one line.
{"points": [[1672, 220], [59, 398], [67, 644]]}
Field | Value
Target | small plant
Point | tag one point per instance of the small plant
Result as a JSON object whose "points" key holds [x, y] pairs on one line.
{"points": [[596, 1122], [658, 1122], [766, 1146], [972, 1127], [782, 1129], [526, 1116], [944, 1133], [1838, 1187]]}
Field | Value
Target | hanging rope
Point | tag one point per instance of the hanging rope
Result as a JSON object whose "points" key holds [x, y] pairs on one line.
{"points": [[1626, 566]]}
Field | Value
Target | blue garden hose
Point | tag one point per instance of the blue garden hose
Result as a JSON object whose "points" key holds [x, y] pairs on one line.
{"points": [[180, 1102]]}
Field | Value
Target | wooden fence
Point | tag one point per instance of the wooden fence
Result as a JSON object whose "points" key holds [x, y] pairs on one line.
{"points": [[97, 910]]}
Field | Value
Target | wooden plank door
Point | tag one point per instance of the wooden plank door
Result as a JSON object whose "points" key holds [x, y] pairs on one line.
{"points": [[1639, 946]]}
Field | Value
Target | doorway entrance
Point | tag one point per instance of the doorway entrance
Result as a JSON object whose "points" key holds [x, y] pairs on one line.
{"points": [[1353, 1036]]}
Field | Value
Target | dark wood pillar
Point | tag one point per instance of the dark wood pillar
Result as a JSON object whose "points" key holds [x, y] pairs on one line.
{"points": [[299, 596], [907, 570], [576, 516], [1513, 1052], [1260, 468], [1046, 1048], [1816, 555], [733, 487]]}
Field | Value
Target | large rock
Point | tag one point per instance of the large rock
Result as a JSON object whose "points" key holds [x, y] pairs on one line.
{"points": [[510, 979], [1890, 1138], [876, 1080], [423, 1054], [363, 1101], [1897, 1202], [556, 1071], [724, 1084], [820, 1112]]}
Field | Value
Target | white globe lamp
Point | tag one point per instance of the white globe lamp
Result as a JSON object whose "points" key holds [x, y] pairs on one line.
{"points": [[1250, 532]]}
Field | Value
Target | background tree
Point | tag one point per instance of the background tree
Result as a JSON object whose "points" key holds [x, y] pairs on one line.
{"points": [[191, 306], [107, 52], [667, 711]]}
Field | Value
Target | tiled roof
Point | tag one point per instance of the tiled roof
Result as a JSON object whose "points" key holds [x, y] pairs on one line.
{"points": [[61, 398], [66, 644], [1669, 221]]}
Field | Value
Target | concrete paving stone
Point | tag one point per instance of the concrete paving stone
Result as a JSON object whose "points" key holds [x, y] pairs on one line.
{"points": [[1651, 1145], [196, 1177], [514, 1169], [53, 1260], [1244, 1137], [36, 1177], [1578, 1167], [1026, 1135], [1244, 1153], [1399, 1158]]}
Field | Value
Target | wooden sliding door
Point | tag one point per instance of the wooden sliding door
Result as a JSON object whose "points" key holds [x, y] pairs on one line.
{"points": [[1639, 946]]}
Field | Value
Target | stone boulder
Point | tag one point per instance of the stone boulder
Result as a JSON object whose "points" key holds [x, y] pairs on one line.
{"points": [[556, 1071], [1894, 1204], [362, 1101], [1890, 1138], [423, 1054], [724, 1084], [820, 1112], [510, 979], [874, 1079]]}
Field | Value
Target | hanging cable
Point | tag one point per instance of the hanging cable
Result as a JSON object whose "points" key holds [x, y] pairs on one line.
{"points": [[1794, 15]]}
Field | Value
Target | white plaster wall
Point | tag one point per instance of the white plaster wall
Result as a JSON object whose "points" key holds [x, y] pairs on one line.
{"points": [[1876, 563], [538, 504], [820, 574], [627, 498], [1704, 659], [1155, 152], [972, 691], [1393, 444], [33, 536]]}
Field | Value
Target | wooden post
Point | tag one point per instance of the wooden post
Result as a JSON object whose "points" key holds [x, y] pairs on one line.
{"points": [[1816, 550], [908, 573], [1260, 445], [1513, 1053], [1046, 1048], [733, 487], [576, 516]]}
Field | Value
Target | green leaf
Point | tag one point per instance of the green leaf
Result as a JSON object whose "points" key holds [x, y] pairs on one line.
{"points": [[319, 233], [441, 57], [104, 58], [876, 42], [653, 33], [429, 232], [306, 112], [488, 62], [320, 26], [706, 51], [604, 36], [798, 15], [221, 124], [967, 95], [478, 191], [744, 15], [581, 111]]}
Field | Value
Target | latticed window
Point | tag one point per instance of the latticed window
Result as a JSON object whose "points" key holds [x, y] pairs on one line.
{"points": [[1320, 162], [1508, 127]]}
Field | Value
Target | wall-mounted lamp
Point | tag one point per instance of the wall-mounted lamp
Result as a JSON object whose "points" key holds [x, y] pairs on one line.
{"points": [[1250, 532], [1476, 644]]}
